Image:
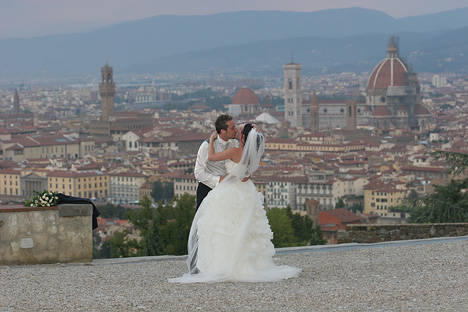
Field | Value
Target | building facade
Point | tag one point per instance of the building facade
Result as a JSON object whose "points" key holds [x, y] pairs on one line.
{"points": [[90, 184], [125, 187]]}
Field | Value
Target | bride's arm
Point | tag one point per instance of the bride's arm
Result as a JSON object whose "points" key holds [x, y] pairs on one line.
{"points": [[227, 154]]}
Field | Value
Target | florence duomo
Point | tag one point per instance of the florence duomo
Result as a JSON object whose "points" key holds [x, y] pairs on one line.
{"points": [[393, 100]]}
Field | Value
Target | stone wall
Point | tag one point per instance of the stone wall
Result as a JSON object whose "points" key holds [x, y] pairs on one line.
{"points": [[31, 235], [375, 233]]}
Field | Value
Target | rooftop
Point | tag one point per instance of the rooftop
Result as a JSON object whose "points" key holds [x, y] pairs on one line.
{"points": [[419, 275]]}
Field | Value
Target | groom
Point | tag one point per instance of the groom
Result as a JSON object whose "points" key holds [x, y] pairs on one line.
{"points": [[208, 173]]}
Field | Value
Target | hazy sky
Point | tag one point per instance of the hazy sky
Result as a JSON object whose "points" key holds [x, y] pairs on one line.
{"points": [[20, 18]]}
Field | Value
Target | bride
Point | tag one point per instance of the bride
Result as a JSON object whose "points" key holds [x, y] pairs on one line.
{"points": [[230, 238]]}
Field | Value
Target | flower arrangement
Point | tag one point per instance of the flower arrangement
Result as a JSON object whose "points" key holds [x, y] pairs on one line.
{"points": [[42, 199]]}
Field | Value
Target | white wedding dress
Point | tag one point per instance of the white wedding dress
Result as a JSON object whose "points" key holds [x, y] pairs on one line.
{"points": [[233, 237]]}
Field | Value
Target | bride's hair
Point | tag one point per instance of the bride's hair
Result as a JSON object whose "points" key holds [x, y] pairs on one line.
{"points": [[245, 131], [245, 134]]}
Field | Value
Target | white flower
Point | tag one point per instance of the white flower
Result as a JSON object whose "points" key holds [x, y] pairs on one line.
{"points": [[32, 205], [48, 205]]}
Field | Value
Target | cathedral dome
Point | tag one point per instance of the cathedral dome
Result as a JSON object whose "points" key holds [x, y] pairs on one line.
{"points": [[245, 96], [392, 71]]}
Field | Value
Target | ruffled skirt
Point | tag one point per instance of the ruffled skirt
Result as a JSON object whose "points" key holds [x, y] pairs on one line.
{"points": [[234, 238]]}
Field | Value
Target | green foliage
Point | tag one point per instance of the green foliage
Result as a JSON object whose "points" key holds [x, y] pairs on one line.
{"points": [[340, 204], [281, 226], [218, 102], [212, 99], [447, 204], [162, 191], [290, 229], [174, 225], [42, 199], [113, 211], [144, 220], [304, 230], [356, 207], [163, 230], [458, 161], [122, 246]]}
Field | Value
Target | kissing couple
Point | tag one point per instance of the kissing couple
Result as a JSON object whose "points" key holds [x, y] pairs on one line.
{"points": [[230, 238]]}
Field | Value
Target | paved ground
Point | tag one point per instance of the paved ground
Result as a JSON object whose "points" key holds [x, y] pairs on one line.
{"points": [[428, 275]]}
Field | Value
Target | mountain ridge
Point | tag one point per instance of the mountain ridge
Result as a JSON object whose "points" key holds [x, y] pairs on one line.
{"points": [[165, 36]]}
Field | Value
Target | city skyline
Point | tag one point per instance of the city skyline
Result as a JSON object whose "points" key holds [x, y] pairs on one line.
{"points": [[26, 18]]}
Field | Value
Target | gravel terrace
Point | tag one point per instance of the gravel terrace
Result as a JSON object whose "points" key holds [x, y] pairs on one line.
{"points": [[427, 275]]}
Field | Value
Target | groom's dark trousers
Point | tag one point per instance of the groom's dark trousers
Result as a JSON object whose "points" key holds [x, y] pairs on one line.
{"points": [[202, 191]]}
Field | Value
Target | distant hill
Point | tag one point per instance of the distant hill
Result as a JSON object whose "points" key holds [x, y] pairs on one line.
{"points": [[446, 52], [341, 39]]}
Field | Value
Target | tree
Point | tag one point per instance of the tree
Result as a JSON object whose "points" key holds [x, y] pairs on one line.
{"points": [[446, 204], [164, 230], [458, 161], [112, 211], [281, 226], [291, 229], [144, 220], [121, 246], [162, 191], [174, 225], [340, 204], [356, 207]]}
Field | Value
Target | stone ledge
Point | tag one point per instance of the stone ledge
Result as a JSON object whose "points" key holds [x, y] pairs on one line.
{"points": [[373, 233], [22, 208]]}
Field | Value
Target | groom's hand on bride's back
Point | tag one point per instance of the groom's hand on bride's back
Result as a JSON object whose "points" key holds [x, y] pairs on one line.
{"points": [[246, 179]]}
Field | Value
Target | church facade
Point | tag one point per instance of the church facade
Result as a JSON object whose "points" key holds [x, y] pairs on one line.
{"points": [[393, 100]]}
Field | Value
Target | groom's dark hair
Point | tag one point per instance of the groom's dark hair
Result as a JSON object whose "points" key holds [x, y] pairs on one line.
{"points": [[221, 122]]}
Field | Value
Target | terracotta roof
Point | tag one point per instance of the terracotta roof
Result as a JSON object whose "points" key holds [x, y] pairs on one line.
{"points": [[424, 169], [345, 216], [73, 174], [419, 109], [10, 171], [389, 72], [245, 96], [128, 174], [382, 111]]}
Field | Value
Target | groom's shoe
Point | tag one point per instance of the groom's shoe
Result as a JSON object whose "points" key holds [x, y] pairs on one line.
{"points": [[195, 271]]}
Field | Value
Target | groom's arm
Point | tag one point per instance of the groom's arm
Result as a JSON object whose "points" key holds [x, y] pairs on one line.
{"points": [[201, 174]]}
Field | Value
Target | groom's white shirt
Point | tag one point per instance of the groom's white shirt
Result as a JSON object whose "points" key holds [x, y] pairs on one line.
{"points": [[209, 172]]}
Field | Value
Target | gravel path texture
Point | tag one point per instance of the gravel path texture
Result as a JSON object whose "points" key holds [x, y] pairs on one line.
{"points": [[431, 276]]}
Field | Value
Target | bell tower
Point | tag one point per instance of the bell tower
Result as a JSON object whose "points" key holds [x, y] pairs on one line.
{"points": [[16, 103], [107, 92], [292, 94]]}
